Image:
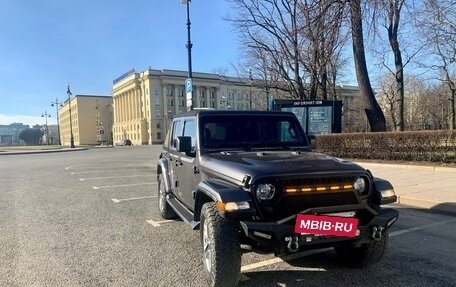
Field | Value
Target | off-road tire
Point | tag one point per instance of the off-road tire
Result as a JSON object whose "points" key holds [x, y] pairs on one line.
{"points": [[166, 211], [366, 255], [220, 246]]}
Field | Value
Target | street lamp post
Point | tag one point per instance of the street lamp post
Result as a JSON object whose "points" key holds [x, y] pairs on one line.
{"points": [[189, 46], [46, 116], [71, 124], [250, 88], [57, 104]]}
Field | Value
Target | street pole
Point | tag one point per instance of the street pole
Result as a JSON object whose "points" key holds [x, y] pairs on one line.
{"points": [[71, 124], [46, 116], [189, 46], [250, 89], [57, 105]]}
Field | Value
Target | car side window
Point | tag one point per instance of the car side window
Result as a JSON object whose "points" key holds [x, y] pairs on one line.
{"points": [[177, 131], [288, 132], [190, 131]]}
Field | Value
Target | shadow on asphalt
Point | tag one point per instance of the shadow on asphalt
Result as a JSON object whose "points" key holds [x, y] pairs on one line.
{"points": [[448, 208], [321, 270]]}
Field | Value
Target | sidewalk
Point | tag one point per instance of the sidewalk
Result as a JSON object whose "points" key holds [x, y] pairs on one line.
{"points": [[428, 187]]}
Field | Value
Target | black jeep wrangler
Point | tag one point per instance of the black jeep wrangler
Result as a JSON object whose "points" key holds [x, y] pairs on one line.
{"points": [[249, 181]]}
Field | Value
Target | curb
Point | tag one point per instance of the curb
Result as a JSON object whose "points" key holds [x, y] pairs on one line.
{"points": [[408, 166], [41, 151]]}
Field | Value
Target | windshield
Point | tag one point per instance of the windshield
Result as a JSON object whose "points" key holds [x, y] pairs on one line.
{"points": [[251, 131]]}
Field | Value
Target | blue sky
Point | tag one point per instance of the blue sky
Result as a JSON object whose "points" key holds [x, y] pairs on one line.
{"points": [[46, 44]]}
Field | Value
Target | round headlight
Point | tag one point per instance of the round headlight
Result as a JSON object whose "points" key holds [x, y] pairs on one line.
{"points": [[360, 185], [265, 191]]}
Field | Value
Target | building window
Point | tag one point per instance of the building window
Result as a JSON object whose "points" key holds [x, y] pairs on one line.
{"points": [[213, 104], [157, 92], [169, 92], [157, 102], [170, 102], [180, 93], [158, 125], [159, 135], [212, 94], [157, 114], [182, 103]]}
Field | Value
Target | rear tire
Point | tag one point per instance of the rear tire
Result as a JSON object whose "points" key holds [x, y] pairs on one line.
{"points": [[366, 255], [166, 211], [221, 247]]}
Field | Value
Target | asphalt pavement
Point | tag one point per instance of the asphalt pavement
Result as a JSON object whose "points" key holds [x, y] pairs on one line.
{"points": [[425, 187]]}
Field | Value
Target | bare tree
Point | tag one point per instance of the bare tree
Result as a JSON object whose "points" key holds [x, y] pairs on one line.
{"points": [[373, 111], [388, 98], [324, 41], [394, 16], [298, 42], [270, 28], [438, 19], [393, 10]]}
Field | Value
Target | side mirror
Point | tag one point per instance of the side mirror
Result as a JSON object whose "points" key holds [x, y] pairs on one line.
{"points": [[184, 144]]}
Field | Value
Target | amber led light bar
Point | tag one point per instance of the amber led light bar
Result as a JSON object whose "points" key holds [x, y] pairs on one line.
{"points": [[309, 189]]}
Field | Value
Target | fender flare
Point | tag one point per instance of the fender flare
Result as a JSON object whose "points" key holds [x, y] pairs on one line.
{"points": [[383, 191], [218, 190], [163, 168]]}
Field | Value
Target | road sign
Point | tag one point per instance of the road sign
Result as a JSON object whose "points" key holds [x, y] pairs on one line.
{"points": [[188, 86], [189, 99]]}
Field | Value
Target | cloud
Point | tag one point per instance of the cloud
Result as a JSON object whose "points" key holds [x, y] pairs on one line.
{"points": [[6, 119]]}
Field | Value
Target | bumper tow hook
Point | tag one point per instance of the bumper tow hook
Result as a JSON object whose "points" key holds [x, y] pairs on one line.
{"points": [[293, 245], [377, 232]]}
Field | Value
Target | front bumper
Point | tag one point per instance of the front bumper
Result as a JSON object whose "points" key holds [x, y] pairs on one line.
{"points": [[280, 238]]}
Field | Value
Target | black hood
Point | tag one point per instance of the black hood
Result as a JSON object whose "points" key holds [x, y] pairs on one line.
{"points": [[237, 165]]}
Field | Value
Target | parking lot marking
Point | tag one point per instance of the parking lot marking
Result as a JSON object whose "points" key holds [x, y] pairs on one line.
{"points": [[108, 177], [408, 230], [312, 252], [158, 223], [288, 257], [131, 163], [101, 171], [123, 185], [132, 198]]}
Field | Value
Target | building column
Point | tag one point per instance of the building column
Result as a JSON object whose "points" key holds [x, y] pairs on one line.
{"points": [[121, 108], [176, 100], [124, 103], [135, 104], [128, 105]]}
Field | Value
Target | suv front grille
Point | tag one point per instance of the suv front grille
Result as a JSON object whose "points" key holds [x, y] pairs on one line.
{"points": [[300, 194], [290, 205]]}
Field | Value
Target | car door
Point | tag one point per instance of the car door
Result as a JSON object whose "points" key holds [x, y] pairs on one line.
{"points": [[173, 155], [186, 162]]}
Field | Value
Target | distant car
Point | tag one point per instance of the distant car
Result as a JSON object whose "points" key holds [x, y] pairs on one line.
{"points": [[124, 142]]}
